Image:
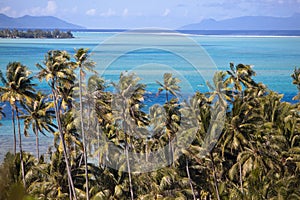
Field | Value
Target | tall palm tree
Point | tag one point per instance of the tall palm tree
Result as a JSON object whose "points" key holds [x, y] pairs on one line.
{"points": [[17, 88], [83, 63], [58, 71], [128, 101], [170, 86], [95, 85], [106, 122], [39, 116], [218, 97]]}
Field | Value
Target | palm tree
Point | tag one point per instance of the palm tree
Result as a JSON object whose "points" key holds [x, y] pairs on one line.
{"points": [[95, 85], [102, 109], [240, 75], [82, 62], [296, 81], [128, 101], [214, 120], [58, 71], [65, 93], [39, 116], [17, 88], [170, 86]]}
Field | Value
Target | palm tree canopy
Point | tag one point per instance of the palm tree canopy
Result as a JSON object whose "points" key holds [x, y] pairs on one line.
{"points": [[39, 114], [58, 68], [82, 61], [240, 75], [170, 84], [17, 83]]}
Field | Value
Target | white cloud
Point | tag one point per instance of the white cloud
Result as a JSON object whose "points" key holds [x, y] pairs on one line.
{"points": [[125, 12], [110, 12], [166, 12], [91, 12], [9, 11], [51, 8], [5, 10]]}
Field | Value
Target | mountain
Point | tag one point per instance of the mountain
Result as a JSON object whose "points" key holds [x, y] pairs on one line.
{"points": [[248, 23], [35, 22]]}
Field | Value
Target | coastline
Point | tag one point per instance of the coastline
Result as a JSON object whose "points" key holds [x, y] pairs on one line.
{"points": [[233, 33]]}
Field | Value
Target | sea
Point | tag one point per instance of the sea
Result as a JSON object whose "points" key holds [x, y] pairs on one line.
{"points": [[191, 56]]}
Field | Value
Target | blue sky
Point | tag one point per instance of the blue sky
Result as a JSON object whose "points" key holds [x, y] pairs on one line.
{"points": [[150, 13]]}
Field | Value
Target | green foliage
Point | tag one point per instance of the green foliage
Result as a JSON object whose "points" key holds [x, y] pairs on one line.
{"points": [[15, 33], [296, 81], [11, 186], [256, 155]]}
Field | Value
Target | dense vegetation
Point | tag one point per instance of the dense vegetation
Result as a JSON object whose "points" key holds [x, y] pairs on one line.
{"points": [[257, 156], [38, 33]]}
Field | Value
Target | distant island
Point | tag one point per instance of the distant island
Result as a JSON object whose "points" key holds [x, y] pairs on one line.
{"points": [[6, 33], [36, 22], [248, 23]]}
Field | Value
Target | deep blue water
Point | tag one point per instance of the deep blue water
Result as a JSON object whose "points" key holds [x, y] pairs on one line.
{"points": [[272, 54]]}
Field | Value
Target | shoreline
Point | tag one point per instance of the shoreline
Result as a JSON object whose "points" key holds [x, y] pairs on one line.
{"points": [[214, 33], [191, 33]]}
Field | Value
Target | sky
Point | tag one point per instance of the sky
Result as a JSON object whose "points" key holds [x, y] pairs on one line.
{"points": [[151, 13]]}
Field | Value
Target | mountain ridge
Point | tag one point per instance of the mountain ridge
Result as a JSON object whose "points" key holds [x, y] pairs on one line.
{"points": [[248, 23], [35, 22]]}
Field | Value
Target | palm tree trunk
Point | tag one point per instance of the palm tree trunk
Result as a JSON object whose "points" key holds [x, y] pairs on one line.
{"points": [[83, 137], [71, 184], [189, 177], [129, 170], [241, 178], [98, 143], [146, 151], [215, 177], [37, 142], [170, 151], [126, 129], [70, 191], [20, 146], [14, 129]]}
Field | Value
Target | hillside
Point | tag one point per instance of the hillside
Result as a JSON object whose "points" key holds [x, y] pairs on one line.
{"points": [[35, 22], [248, 23]]}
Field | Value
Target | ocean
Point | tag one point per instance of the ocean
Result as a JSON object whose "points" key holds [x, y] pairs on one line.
{"points": [[191, 56]]}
